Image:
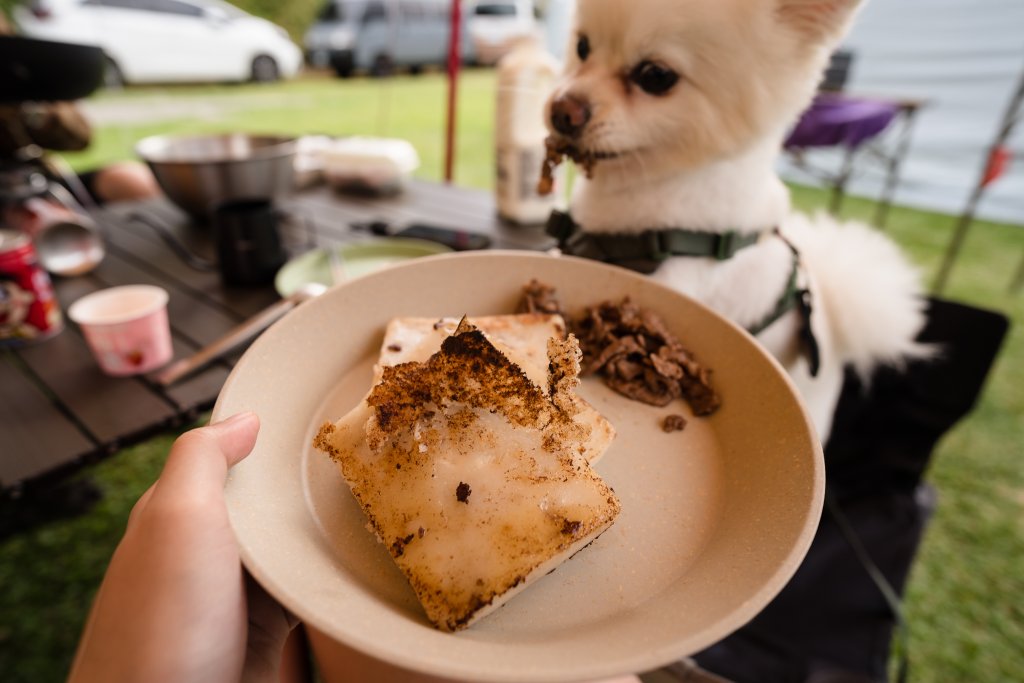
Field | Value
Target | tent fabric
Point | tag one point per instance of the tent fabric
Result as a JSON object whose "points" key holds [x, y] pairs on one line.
{"points": [[964, 58]]}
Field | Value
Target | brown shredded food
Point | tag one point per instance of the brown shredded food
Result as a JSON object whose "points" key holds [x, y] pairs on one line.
{"points": [[555, 150], [632, 350], [638, 357], [539, 298], [673, 423]]}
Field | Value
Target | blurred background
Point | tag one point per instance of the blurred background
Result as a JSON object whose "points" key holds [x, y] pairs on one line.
{"points": [[937, 166]]}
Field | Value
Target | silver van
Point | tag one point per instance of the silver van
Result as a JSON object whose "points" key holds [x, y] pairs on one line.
{"points": [[380, 36]]}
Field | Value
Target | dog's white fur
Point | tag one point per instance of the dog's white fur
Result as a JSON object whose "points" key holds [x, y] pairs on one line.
{"points": [[702, 156]]}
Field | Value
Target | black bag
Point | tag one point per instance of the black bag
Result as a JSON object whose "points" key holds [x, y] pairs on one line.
{"points": [[832, 622]]}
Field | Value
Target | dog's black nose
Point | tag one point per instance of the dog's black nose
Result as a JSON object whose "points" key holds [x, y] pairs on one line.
{"points": [[569, 115]]}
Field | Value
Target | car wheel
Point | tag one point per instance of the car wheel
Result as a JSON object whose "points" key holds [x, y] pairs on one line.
{"points": [[264, 69], [382, 66], [113, 78]]}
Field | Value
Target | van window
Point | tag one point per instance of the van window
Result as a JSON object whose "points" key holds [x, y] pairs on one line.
{"points": [[411, 10], [332, 11], [496, 9], [375, 11]]}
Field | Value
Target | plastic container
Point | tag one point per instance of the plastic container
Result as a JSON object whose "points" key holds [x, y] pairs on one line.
{"points": [[526, 76], [126, 328], [366, 164]]}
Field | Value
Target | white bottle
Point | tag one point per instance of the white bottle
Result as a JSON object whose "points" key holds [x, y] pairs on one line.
{"points": [[526, 76]]}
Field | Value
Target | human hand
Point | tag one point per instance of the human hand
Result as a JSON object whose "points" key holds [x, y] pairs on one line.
{"points": [[176, 604]]}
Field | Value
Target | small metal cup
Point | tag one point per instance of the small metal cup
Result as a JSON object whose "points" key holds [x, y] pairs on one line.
{"points": [[248, 238]]}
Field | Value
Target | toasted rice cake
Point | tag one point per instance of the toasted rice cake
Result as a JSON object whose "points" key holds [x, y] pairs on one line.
{"points": [[472, 475], [522, 338]]}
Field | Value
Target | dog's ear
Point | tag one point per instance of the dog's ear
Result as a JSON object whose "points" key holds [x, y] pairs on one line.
{"points": [[822, 21]]}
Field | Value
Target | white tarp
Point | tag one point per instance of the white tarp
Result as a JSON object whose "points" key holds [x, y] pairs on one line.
{"points": [[965, 58]]}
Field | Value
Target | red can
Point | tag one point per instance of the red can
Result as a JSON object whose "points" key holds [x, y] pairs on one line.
{"points": [[28, 309]]}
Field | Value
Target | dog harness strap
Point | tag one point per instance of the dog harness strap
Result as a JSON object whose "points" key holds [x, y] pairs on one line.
{"points": [[645, 251], [794, 296], [785, 303]]}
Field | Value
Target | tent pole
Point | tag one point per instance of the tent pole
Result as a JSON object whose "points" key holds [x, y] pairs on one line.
{"points": [[454, 57], [1010, 119]]}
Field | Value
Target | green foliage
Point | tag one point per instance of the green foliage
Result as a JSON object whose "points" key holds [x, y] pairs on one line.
{"points": [[49, 576], [294, 16], [6, 6]]}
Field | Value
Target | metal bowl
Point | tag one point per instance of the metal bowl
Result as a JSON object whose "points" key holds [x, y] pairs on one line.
{"points": [[197, 172]]}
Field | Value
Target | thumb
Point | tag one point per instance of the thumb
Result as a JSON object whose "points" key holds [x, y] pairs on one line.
{"points": [[201, 457], [236, 435]]}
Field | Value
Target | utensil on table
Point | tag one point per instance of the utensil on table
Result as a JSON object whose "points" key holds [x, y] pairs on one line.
{"points": [[69, 247], [338, 272], [238, 335]]}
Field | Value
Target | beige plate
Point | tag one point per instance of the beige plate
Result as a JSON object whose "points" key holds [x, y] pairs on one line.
{"points": [[715, 518]]}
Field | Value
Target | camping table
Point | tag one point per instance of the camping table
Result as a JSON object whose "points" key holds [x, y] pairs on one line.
{"points": [[58, 411]]}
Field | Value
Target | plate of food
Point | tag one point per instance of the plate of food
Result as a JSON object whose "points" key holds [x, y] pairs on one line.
{"points": [[434, 487]]}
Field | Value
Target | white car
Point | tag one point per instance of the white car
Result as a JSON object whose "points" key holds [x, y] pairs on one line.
{"points": [[164, 41]]}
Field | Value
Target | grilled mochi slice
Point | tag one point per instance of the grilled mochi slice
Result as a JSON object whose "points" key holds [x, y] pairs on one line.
{"points": [[472, 475], [522, 338]]}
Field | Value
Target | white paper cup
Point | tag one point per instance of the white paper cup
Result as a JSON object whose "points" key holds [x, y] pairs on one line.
{"points": [[126, 328]]}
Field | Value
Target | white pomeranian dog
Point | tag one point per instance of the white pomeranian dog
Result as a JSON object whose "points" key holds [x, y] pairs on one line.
{"points": [[678, 110]]}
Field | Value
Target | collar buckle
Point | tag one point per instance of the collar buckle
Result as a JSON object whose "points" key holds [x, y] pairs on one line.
{"points": [[657, 247], [725, 246]]}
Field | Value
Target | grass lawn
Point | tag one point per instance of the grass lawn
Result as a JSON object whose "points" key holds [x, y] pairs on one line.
{"points": [[964, 601]]}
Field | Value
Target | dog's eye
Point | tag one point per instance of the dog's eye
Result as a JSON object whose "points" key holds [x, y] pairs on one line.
{"points": [[654, 78], [583, 48]]}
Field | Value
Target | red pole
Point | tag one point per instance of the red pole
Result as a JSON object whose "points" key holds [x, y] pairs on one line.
{"points": [[453, 80]]}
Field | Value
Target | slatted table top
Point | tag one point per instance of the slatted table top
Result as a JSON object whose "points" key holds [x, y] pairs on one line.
{"points": [[58, 411]]}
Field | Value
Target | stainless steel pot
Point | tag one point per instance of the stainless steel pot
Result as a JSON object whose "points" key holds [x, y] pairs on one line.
{"points": [[197, 172]]}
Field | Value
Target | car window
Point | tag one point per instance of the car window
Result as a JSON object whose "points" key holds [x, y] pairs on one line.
{"points": [[175, 7], [163, 6], [496, 9], [121, 4], [228, 9]]}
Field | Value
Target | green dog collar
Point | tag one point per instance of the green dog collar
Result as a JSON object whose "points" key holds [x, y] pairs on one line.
{"points": [[646, 250]]}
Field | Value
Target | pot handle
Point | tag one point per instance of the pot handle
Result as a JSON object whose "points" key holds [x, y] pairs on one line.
{"points": [[190, 259]]}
